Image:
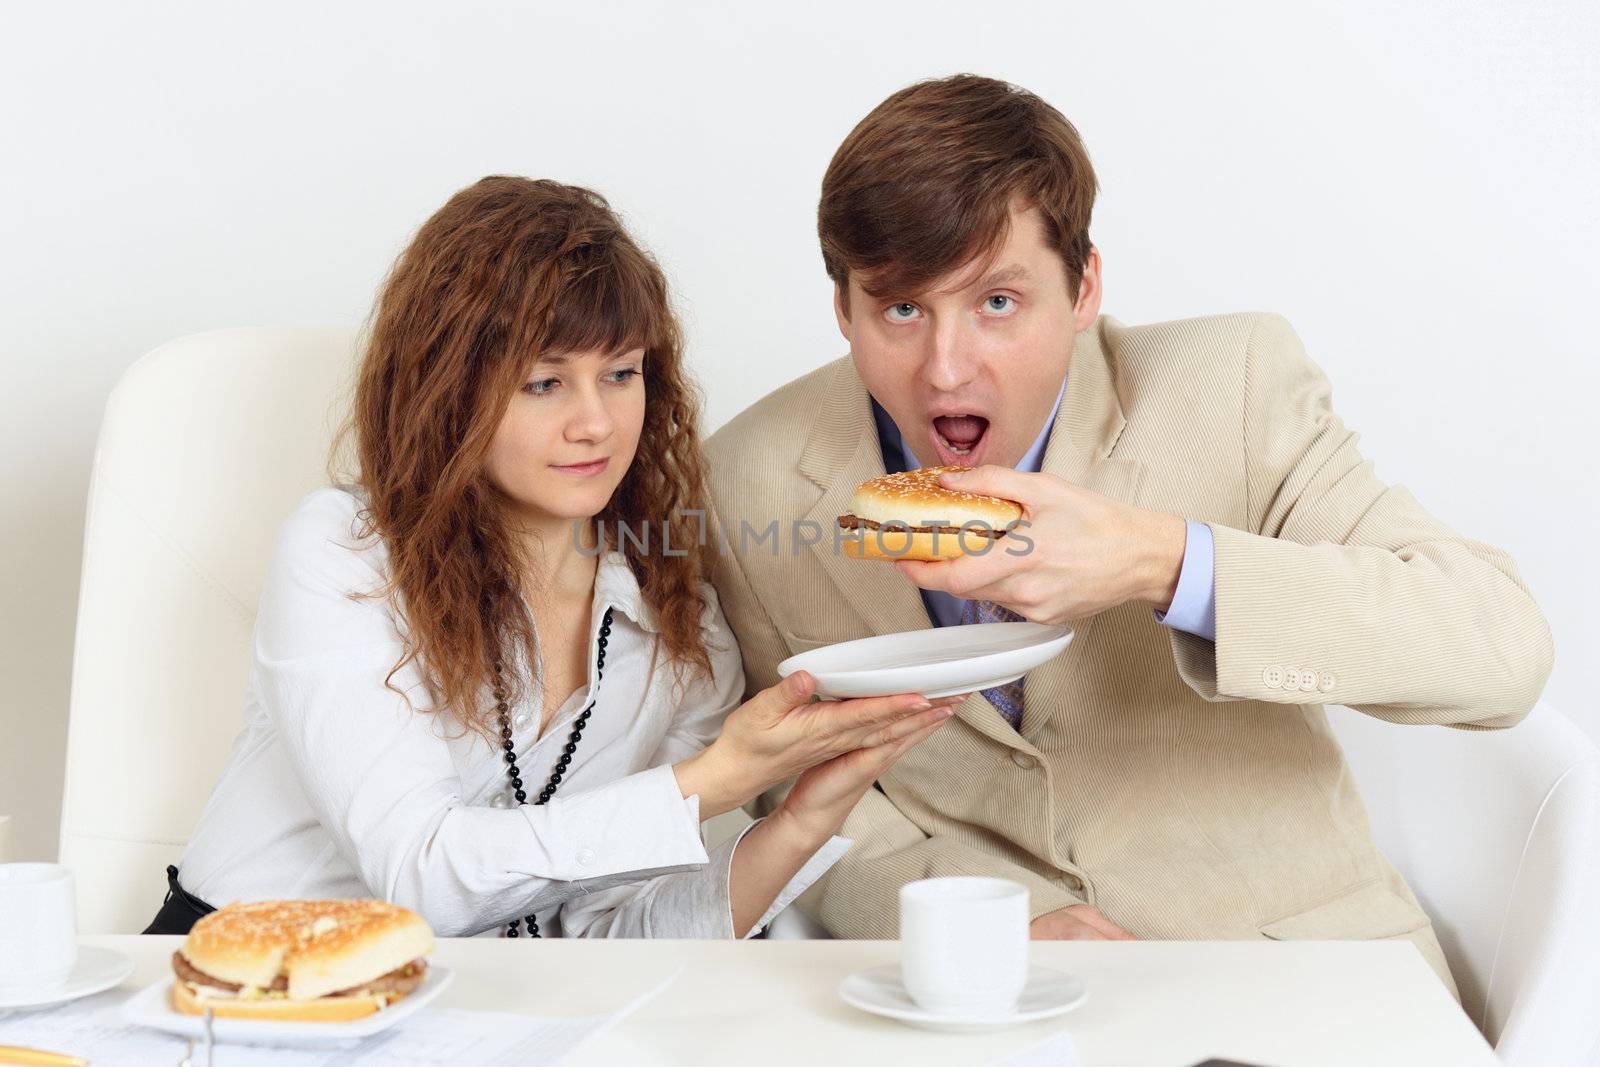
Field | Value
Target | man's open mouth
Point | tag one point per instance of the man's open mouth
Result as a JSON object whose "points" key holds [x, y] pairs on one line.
{"points": [[960, 438]]}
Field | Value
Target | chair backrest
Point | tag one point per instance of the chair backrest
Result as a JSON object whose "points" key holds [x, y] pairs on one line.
{"points": [[1498, 832], [206, 445]]}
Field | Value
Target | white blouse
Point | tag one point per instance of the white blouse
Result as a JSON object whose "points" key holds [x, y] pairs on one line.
{"points": [[337, 788]]}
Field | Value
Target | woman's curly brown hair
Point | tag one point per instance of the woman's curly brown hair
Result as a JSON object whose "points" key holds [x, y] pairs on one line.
{"points": [[507, 269]]}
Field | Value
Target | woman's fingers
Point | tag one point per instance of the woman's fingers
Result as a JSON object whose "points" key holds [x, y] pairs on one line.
{"points": [[769, 706], [869, 713], [911, 741], [878, 731], [909, 725], [886, 756]]}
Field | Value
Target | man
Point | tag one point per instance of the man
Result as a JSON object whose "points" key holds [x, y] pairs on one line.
{"points": [[1198, 513]]}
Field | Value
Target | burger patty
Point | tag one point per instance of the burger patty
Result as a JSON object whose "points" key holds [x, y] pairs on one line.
{"points": [[396, 983], [851, 522]]}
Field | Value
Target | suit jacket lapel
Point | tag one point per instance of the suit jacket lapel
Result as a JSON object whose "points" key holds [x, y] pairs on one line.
{"points": [[1086, 430]]}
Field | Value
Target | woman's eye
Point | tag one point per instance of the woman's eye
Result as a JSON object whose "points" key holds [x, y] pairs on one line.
{"points": [[541, 387], [622, 376], [999, 303], [902, 312]]}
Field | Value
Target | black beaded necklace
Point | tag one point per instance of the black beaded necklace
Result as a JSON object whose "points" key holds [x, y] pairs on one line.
{"points": [[500, 695]]}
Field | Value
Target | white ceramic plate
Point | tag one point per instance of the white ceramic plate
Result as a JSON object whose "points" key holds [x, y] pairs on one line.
{"points": [[152, 1006], [879, 990], [935, 662], [97, 969]]}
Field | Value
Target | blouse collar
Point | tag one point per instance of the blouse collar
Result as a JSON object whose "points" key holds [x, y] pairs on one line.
{"points": [[615, 586]]}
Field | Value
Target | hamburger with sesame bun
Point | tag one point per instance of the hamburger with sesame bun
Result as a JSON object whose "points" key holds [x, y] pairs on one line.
{"points": [[301, 960], [911, 516]]}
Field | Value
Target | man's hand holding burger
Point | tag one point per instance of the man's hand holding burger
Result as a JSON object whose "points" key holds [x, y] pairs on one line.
{"points": [[1088, 552]]}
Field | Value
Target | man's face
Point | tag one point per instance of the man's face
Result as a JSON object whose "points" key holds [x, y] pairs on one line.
{"points": [[970, 368]]}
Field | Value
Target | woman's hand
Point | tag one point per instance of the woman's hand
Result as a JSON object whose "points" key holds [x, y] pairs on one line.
{"points": [[824, 795], [779, 733]]}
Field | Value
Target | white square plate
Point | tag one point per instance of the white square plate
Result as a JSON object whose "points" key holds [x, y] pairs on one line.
{"points": [[152, 1006]]}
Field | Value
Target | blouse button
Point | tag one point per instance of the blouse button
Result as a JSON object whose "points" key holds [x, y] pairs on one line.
{"points": [[522, 719], [499, 800]]}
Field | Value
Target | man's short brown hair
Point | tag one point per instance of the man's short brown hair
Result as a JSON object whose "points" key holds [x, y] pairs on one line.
{"points": [[925, 183]]}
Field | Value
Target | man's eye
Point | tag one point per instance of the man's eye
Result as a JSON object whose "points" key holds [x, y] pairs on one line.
{"points": [[541, 387], [999, 303], [902, 312]]}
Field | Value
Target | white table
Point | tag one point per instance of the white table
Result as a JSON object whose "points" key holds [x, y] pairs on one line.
{"points": [[1151, 1003]]}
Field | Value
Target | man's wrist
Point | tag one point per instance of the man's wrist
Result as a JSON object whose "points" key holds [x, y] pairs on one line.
{"points": [[1160, 561]]}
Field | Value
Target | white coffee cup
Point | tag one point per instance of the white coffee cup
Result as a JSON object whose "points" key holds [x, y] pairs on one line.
{"points": [[38, 925], [964, 944]]}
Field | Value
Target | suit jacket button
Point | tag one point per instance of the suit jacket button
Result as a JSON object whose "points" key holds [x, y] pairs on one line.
{"points": [[1074, 883], [1023, 760], [1325, 683], [1308, 681], [1273, 677]]}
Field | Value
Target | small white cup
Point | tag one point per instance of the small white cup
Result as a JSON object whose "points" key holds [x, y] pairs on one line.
{"points": [[38, 925], [964, 944]]}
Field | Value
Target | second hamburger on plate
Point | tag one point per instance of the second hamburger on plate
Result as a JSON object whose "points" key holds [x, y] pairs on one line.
{"points": [[301, 960]]}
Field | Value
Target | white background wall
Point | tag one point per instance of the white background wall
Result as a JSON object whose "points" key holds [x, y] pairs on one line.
{"points": [[1414, 185]]}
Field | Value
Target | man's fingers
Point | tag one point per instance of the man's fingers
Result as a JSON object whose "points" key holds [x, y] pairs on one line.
{"points": [[992, 480], [1064, 926], [1090, 916], [970, 576]]}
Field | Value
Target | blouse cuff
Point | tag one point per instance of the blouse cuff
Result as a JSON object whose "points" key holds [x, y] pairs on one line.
{"points": [[815, 867], [576, 837]]}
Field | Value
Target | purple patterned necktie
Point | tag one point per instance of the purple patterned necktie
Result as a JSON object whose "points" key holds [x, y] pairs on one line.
{"points": [[1006, 698]]}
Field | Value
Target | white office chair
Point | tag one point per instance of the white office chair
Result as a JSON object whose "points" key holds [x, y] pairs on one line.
{"points": [[1499, 834], [206, 446]]}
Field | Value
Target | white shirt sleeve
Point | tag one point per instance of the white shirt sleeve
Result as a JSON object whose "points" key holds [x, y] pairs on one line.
{"points": [[379, 775], [696, 904]]}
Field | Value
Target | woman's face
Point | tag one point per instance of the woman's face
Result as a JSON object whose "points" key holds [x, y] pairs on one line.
{"points": [[570, 433]]}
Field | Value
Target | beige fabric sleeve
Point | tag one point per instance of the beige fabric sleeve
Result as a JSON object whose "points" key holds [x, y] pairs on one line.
{"points": [[1344, 589]]}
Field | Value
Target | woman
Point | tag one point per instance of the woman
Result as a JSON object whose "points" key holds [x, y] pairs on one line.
{"points": [[469, 695]]}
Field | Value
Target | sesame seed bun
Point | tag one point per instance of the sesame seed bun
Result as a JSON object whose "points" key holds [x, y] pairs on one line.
{"points": [[260, 959], [909, 515]]}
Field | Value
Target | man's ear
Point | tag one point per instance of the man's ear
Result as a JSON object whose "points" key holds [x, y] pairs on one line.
{"points": [[1087, 308], [840, 315]]}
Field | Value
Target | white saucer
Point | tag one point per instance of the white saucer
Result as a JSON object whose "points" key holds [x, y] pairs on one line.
{"points": [[1049, 992], [97, 969], [936, 662], [152, 1006]]}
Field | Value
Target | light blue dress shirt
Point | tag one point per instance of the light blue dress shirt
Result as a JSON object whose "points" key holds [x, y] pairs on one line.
{"points": [[1194, 604]]}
